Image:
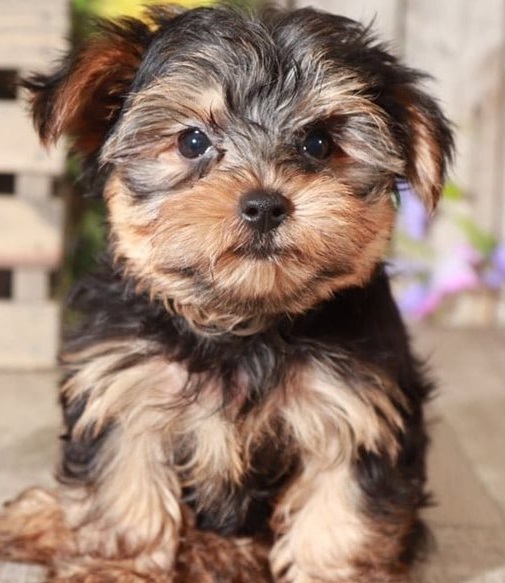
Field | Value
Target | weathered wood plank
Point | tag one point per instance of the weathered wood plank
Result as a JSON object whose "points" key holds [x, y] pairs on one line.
{"points": [[32, 32], [29, 334], [20, 151], [30, 284], [30, 235], [500, 316], [460, 42], [472, 507], [386, 14], [20, 573], [33, 187]]}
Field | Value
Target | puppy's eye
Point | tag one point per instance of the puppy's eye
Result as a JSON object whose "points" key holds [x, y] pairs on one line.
{"points": [[193, 143], [318, 145]]}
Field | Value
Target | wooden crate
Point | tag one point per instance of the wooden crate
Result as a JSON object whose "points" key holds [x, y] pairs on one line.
{"points": [[32, 34]]}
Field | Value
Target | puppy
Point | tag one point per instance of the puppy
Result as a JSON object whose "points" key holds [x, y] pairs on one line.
{"points": [[240, 401]]}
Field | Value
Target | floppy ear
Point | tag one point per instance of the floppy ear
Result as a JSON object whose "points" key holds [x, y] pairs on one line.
{"points": [[84, 96], [425, 139]]}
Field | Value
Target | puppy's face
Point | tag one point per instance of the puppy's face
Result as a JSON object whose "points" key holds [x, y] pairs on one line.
{"points": [[251, 161]]}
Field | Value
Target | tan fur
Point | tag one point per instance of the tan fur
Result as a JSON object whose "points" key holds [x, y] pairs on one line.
{"points": [[135, 503], [426, 169], [100, 572], [33, 528], [344, 418], [311, 242], [321, 529], [427, 174], [135, 506], [324, 533], [216, 454]]}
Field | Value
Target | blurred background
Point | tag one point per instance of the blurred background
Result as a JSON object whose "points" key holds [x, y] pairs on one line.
{"points": [[448, 273]]}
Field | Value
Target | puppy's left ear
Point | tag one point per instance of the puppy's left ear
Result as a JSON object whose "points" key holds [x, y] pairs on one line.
{"points": [[425, 139]]}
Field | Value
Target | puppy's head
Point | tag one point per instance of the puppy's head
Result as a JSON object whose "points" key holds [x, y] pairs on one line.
{"points": [[250, 160]]}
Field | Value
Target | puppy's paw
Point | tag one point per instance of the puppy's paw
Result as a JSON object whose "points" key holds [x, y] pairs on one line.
{"points": [[96, 571], [292, 574], [32, 528], [206, 557]]}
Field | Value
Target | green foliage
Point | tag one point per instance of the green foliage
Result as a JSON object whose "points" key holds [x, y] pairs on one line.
{"points": [[480, 240], [453, 192]]}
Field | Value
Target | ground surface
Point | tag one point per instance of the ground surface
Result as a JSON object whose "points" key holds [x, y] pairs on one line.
{"points": [[467, 458]]}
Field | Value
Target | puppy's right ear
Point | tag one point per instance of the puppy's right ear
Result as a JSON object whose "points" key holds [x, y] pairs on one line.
{"points": [[84, 96]]}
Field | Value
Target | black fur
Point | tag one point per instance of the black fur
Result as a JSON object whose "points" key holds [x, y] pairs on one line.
{"points": [[361, 322]]}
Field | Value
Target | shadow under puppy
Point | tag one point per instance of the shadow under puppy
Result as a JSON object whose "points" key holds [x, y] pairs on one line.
{"points": [[240, 400]]}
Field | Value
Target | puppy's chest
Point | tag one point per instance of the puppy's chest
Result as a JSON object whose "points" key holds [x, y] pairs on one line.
{"points": [[232, 437], [234, 459]]}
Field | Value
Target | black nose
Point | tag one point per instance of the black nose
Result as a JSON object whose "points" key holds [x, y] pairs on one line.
{"points": [[264, 210]]}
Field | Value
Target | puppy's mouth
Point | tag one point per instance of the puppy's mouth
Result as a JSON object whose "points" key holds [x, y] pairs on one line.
{"points": [[257, 250], [264, 248]]}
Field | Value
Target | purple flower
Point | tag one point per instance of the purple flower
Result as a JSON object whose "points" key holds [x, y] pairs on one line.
{"points": [[412, 300], [493, 279], [494, 276], [457, 272], [498, 258], [413, 218], [419, 301]]}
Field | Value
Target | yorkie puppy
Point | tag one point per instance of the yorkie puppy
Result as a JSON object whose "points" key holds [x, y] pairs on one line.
{"points": [[240, 401]]}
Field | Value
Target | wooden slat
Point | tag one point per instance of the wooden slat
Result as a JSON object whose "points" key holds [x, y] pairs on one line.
{"points": [[500, 315], [33, 187], [466, 522], [30, 235], [20, 151], [387, 14], [460, 42], [472, 507], [482, 61], [21, 573], [29, 334], [32, 32], [30, 284]]}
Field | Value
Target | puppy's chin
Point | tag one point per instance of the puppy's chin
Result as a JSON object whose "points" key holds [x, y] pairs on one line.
{"points": [[245, 295], [284, 281]]}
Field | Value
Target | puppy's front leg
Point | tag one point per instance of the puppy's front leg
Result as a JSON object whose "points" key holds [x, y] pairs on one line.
{"points": [[325, 537], [117, 509], [121, 527], [131, 511], [324, 529], [320, 530], [121, 493]]}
